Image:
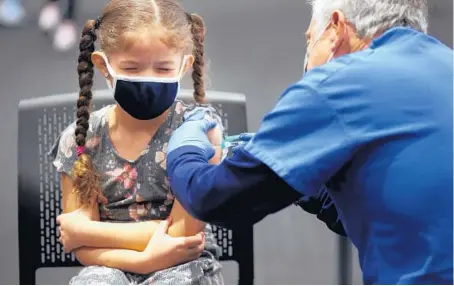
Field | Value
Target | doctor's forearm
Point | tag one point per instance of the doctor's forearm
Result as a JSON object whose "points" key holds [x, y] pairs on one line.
{"points": [[241, 190]]}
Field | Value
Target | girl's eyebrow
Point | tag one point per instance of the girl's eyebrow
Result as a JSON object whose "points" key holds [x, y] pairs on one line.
{"points": [[129, 62], [165, 62], [132, 62]]}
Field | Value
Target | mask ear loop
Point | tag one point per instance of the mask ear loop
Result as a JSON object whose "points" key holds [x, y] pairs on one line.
{"points": [[312, 45], [180, 73], [337, 48], [183, 65], [109, 67], [111, 72]]}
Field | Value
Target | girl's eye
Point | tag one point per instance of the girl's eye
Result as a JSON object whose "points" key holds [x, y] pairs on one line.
{"points": [[130, 69], [165, 71]]}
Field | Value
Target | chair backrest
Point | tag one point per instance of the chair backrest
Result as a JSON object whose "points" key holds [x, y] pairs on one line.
{"points": [[40, 122]]}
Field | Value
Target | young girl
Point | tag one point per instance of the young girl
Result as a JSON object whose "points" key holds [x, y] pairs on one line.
{"points": [[112, 162]]}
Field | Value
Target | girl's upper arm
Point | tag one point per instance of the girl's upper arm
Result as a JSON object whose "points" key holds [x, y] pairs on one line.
{"points": [[63, 153], [215, 137], [183, 224], [70, 201], [69, 198]]}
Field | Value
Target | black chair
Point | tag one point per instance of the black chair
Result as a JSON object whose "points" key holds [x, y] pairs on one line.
{"points": [[40, 122]]}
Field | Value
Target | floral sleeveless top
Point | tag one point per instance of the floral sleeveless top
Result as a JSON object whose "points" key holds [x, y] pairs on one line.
{"points": [[131, 190]]}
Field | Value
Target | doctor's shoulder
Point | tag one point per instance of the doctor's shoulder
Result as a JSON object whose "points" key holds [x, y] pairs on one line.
{"points": [[339, 70], [332, 84]]}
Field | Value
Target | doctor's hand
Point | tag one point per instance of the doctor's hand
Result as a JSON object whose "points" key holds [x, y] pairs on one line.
{"points": [[193, 132]]}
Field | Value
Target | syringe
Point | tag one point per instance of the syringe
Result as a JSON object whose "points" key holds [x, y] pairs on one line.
{"points": [[236, 140]]}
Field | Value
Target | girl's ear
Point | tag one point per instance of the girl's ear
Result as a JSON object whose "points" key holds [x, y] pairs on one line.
{"points": [[97, 58], [188, 64]]}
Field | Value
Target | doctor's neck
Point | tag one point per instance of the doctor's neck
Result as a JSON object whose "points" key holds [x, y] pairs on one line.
{"points": [[357, 44], [354, 43]]}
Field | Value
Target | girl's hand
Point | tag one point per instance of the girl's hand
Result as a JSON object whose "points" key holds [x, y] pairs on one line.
{"points": [[164, 251], [71, 228]]}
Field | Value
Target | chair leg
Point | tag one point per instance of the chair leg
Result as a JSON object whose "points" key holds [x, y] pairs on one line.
{"points": [[27, 276], [246, 274]]}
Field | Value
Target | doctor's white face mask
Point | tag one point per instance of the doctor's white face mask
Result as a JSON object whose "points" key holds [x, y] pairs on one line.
{"points": [[144, 98]]}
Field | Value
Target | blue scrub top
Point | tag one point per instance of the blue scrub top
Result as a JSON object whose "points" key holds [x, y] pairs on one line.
{"points": [[375, 127]]}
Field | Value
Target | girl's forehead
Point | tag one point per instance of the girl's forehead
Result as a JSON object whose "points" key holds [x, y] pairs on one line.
{"points": [[145, 46]]}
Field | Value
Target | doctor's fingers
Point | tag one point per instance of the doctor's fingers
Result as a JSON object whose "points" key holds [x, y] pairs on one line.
{"points": [[246, 136]]}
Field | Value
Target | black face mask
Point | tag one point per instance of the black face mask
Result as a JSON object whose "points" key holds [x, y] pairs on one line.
{"points": [[145, 98]]}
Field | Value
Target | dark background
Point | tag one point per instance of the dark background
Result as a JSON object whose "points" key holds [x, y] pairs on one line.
{"points": [[255, 47]]}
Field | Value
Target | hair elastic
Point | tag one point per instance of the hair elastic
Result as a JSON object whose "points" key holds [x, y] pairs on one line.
{"points": [[189, 17], [97, 23], [80, 150]]}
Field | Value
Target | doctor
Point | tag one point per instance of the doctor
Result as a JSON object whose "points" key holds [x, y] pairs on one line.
{"points": [[372, 119]]}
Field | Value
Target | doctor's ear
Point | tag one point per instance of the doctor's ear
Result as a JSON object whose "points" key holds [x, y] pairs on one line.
{"points": [[188, 64], [98, 61], [339, 28]]}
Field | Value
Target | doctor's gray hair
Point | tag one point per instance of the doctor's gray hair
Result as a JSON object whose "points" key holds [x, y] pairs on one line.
{"points": [[371, 17]]}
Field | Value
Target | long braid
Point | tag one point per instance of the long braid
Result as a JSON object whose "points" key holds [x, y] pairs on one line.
{"points": [[84, 176], [86, 72], [198, 37]]}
